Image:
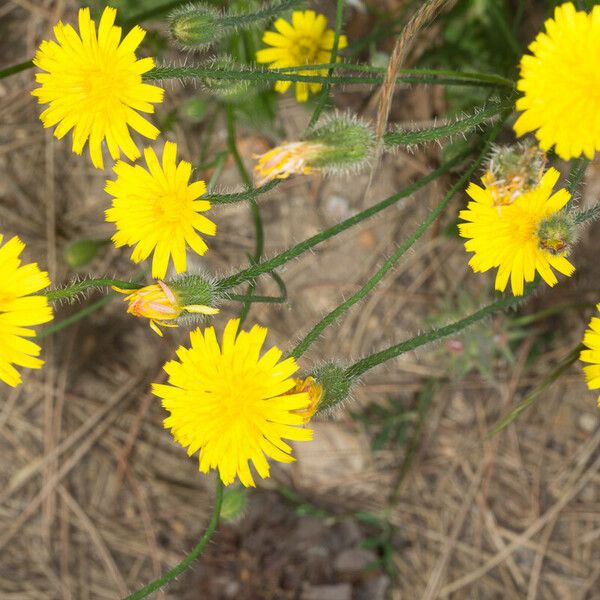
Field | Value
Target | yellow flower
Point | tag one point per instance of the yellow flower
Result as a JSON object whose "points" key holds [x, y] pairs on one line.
{"points": [[285, 160], [507, 237], [20, 309], [315, 393], [560, 83], [93, 84], [591, 340], [160, 304], [157, 209], [305, 41], [232, 404]]}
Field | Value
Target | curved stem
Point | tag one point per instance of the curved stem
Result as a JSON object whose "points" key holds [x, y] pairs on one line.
{"points": [[192, 556], [316, 331], [76, 288], [247, 19], [360, 367], [268, 265]]}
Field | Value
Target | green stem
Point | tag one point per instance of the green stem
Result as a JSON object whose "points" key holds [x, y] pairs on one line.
{"points": [[157, 11], [192, 556], [360, 367], [407, 138], [324, 97], [28, 64], [245, 20], [563, 366], [77, 316], [576, 173], [254, 209], [316, 331], [588, 215], [268, 265], [256, 75], [76, 288], [241, 196]]}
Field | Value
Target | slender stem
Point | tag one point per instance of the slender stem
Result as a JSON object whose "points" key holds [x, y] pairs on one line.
{"points": [[324, 97], [76, 288], [259, 299], [192, 556], [77, 316], [563, 366], [268, 265], [407, 138], [241, 196], [248, 19], [163, 73], [254, 209], [360, 367], [330, 318], [578, 169], [16, 69], [157, 11]]}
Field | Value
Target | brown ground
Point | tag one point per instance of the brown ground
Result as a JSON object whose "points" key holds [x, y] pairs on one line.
{"points": [[95, 497]]}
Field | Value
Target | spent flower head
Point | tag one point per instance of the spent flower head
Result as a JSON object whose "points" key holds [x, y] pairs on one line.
{"points": [[508, 237], [560, 82], [591, 354], [304, 41], [232, 404], [157, 209], [93, 85], [20, 308], [513, 170], [339, 145]]}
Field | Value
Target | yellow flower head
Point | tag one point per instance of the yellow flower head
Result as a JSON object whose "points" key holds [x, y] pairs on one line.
{"points": [[591, 340], [315, 393], [233, 404], [507, 237], [285, 160], [305, 41], [19, 309], [560, 83], [160, 304], [93, 84], [158, 209]]}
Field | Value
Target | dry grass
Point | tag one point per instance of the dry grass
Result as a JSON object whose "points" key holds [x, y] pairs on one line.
{"points": [[95, 497]]}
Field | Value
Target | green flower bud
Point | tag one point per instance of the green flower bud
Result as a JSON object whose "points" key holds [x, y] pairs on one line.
{"points": [[557, 233], [81, 252], [335, 383], [235, 500], [229, 90], [196, 26]]}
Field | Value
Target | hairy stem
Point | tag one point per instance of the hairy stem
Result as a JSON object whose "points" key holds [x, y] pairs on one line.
{"points": [[192, 556], [76, 288], [268, 265]]}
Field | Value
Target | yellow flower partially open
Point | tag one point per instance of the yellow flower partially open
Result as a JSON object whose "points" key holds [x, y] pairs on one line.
{"points": [[160, 304]]}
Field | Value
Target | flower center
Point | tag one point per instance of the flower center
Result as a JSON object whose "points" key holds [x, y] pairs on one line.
{"points": [[305, 51], [170, 209], [102, 87]]}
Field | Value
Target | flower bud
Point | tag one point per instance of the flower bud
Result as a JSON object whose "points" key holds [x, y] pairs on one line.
{"points": [[557, 233], [164, 303], [335, 385], [340, 145], [234, 504], [196, 26], [513, 170], [81, 252]]}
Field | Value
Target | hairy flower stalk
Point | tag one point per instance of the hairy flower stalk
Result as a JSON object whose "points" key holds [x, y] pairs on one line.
{"points": [[164, 304], [340, 145]]}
